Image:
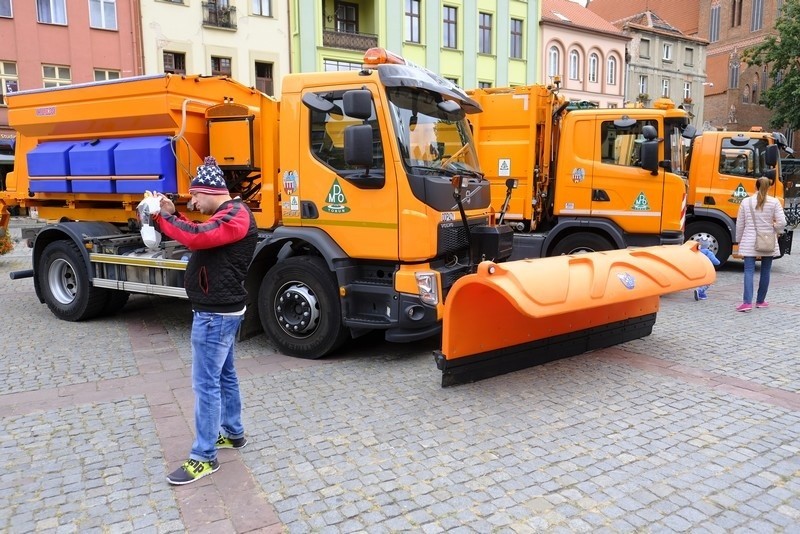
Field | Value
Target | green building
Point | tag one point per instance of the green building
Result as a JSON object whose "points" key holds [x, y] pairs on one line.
{"points": [[472, 42]]}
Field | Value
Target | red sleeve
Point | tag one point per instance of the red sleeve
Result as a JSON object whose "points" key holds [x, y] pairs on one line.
{"points": [[227, 225]]}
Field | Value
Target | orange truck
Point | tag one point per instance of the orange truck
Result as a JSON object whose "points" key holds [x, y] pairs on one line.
{"points": [[723, 170], [372, 210], [581, 180]]}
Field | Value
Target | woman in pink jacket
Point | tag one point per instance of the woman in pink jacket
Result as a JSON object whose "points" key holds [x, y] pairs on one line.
{"points": [[766, 216]]}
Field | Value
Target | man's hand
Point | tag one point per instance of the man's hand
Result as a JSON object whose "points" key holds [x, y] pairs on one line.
{"points": [[166, 205]]}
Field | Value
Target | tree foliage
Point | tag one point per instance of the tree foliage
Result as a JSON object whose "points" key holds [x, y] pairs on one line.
{"points": [[781, 54]]}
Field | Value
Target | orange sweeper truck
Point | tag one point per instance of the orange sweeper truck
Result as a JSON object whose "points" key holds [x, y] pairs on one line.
{"points": [[359, 231]]}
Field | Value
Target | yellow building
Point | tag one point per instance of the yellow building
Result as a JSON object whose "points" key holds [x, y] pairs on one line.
{"points": [[472, 42]]}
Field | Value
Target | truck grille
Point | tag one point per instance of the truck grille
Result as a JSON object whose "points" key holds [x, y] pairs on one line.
{"points": [[452, 237]]}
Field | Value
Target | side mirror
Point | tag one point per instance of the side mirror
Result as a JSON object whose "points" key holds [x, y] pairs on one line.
{"points": [[358, 104], [690, 132], [649, 156], [358, 145], [772, 155]]}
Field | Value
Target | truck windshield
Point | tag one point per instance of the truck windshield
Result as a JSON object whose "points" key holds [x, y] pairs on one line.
{"points": [[429, 137], [678, 146]]}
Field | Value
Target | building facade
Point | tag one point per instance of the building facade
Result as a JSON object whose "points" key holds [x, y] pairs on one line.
{"points": [[247, 40], [731, 27], [663, 62], [49, 43], [585, 52], [472, 42]]}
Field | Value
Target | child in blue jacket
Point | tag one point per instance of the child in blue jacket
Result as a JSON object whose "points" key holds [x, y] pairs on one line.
{"points": [[700, 292]]}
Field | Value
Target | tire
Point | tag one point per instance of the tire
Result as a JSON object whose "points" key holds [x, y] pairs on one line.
{"points": [[717, 238], [312, 327], [581, 243], [65, 285]]}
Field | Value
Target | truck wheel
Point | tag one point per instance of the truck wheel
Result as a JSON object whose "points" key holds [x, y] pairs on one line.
{"points": [[65, 283], [581, 243], [299, 308], [718, 240]]}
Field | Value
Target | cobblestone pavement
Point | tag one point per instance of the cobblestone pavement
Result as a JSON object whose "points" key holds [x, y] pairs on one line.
{"points": [[694, 428]]}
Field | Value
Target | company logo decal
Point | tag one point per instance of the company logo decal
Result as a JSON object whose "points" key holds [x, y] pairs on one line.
{"points": [[336, 199], [739, 194], [641, 204], [290, 182], [627, 280], [578, 175]]}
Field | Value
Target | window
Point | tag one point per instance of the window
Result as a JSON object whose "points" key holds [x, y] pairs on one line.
{"points": [[754, 90], [412, 21], [642, 85], [326, 136], [450, 27], [713, 25], [733, 75], [220, 66], [611, 71], [484, 33], [553, 61], [574, 65], [51, 11], [103, 14], [736, 13], [451, 79], [622, 146], [667, 56], [346, 17], [5, 8], [262, 7], [594, 63], [764, 78], [757, 16], [56, 75], [484, 85], [9, 83], [665, 87], [516, 39], [644, 48], [264, 80], [175, 62], [687, 90], [746, 94], [335, 64], [101, 75], [688, 56]]}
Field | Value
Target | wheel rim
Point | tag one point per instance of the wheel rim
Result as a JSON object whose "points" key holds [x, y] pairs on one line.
{"points": [[297, 310], [62, 281], [704, 237]]}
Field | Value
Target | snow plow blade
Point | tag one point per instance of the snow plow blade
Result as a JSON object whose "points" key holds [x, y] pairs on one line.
{"points": [[510, 316]]}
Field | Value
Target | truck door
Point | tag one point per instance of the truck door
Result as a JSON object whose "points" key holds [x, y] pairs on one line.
{"points": [[356, 206], [621, 190]]}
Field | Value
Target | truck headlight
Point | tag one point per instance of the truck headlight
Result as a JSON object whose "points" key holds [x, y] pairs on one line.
{"points": [[428, 288]]}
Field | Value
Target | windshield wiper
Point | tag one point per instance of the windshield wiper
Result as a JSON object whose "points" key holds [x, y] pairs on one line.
{"points": [[433, 170]]}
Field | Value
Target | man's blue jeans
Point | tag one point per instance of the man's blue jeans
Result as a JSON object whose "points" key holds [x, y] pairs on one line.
{"points": [[217, 403], [763, 279]]}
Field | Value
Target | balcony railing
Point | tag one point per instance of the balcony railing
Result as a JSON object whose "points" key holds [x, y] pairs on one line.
{"points": [[220, 16], [350, 41]]}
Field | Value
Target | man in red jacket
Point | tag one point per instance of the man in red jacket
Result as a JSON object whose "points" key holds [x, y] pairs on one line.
{"points": [[222, 248]]}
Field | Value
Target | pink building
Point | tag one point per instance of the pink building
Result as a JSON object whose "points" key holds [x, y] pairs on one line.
{"points": [[48, 43]]}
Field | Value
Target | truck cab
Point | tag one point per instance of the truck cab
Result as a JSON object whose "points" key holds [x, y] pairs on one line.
{"points": [[723, 169]]}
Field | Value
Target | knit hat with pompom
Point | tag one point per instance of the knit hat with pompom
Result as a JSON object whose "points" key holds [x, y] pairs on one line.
{"points": [[209, 179]]}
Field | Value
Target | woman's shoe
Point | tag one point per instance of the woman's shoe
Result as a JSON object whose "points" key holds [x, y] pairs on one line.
{"points": [[764, 304], [744, 307]]}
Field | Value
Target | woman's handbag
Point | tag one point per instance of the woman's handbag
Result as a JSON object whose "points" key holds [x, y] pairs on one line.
{"points": [[765, 242]]}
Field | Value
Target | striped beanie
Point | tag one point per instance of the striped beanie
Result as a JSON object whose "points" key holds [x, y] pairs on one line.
{"points": [[209, 179]]}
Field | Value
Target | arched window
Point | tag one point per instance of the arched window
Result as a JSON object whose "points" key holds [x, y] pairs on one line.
{"points": [[754, 91], [553, 61], [611, 74], [746, 94], [574, 65], [594, 66]]}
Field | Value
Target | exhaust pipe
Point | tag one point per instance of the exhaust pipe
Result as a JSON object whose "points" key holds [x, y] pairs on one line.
{"points": [[19, 275]]}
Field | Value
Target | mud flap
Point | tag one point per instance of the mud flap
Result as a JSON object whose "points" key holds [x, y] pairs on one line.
{"points": [[514, 315]]}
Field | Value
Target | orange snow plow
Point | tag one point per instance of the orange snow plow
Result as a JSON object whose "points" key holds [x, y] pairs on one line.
{"points": [[546, 309]]}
